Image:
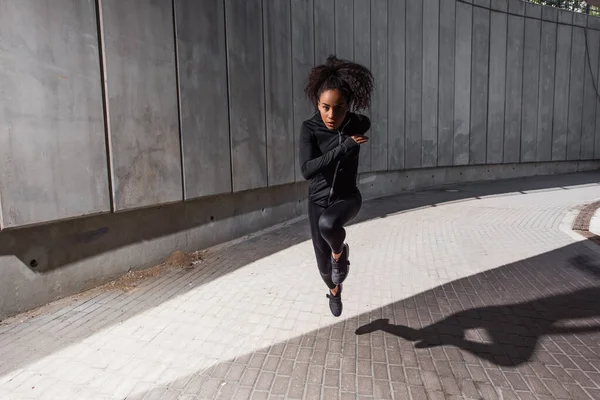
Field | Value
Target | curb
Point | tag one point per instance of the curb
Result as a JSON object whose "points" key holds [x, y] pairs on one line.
{"points": [[581, 224]]}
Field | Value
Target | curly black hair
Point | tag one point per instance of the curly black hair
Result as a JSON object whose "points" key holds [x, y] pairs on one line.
{"points": [[353, 80]]}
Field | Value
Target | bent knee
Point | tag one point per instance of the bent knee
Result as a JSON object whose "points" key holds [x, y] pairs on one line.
{"points": [[327, 225]]}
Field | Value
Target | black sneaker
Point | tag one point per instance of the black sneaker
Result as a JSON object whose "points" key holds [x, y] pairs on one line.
{"points": [[335, 302], [340, 268]]}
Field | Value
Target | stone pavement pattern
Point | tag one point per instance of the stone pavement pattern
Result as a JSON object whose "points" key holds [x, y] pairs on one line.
{"points": [[471, 294]]}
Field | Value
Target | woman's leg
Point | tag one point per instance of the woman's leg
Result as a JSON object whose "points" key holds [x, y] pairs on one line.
{"points": [[333, 219], [331, 227], [322, 249]]}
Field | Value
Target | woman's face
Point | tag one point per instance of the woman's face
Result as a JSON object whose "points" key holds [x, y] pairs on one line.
{"points": [[333, 108]]}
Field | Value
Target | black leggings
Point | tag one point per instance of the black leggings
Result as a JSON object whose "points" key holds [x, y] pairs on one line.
{"points": [[327, 230]]}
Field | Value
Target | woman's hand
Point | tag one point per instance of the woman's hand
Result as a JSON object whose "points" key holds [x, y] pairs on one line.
{"points": [[360, 139]]}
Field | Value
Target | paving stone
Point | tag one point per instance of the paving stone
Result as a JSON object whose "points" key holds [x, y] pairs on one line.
{"points": [[462, 300]]}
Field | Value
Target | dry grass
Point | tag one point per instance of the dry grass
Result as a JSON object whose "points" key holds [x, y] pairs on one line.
{"points": [[177, 260]]}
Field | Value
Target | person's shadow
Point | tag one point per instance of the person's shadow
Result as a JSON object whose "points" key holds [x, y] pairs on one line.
{"points": [[512, 330]]}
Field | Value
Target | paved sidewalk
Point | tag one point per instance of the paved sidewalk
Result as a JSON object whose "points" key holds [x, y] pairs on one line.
{"points": [[477, 293]]}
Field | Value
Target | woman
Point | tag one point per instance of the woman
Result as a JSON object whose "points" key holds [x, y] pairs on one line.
{"points": [[329, 149]]}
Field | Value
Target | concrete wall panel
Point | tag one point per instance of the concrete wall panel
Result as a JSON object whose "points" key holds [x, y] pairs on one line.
{"points": [[497, 87], [52, 143], [479, 85], [303, 59], [379, 68], [142, 100], [202, 62], [462, 83], [431, 24], [446, 83], [580, 19], [533, 11], [561, 91], [414, 82], [344, 28], [546, 93], [531, 88], [324, 14], [499, 5], [578, 61], [590, 98], [565, 16], [597, 129], [517, 7], [549, 14], [246, 94], [278, 91], [362, 31], [514, 89], [396, 83], [362, 55]]}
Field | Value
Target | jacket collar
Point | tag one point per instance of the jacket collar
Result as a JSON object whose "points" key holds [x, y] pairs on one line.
{"points": [[317, 118]]}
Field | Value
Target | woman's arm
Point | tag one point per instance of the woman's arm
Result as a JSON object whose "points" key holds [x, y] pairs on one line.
{"points": [[311, 163], [359, 124]]}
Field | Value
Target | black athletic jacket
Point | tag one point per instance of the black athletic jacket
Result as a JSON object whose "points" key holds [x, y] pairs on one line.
{"points": [[329, 159]]}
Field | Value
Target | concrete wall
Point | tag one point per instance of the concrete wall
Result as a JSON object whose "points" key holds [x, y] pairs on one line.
{"points": [[111, 111]]}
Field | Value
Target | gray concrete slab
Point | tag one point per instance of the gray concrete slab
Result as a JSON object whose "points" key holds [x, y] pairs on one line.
{"points": [[397, 84], [362, 54], [246, 94], [431, 48], [462, 83], [590, 98], [580, 19], [142, 99], [565, 16], [379, 68], [497, 87], [202, 62], [362, 19], [533, 10], [447, 63], [517, 7], [561, 91], [549, 14], [514, 89], [344, 29], [279, 92], [479, 86], [414, 83], [52, 141], [499, 5], [324, 14], [546, 97], [531, 88], [578, 67], [593, 23], [597, 134], [303, 59]]}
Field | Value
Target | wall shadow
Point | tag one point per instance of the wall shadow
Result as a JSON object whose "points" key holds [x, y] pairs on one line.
{"points": [[51, 246], [48, 247]]}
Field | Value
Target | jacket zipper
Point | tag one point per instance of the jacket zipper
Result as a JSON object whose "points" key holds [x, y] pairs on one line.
{"points": [[337, 165]]}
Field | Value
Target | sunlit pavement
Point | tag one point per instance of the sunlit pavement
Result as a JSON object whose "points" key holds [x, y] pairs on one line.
{"points": [[474, 291]]}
